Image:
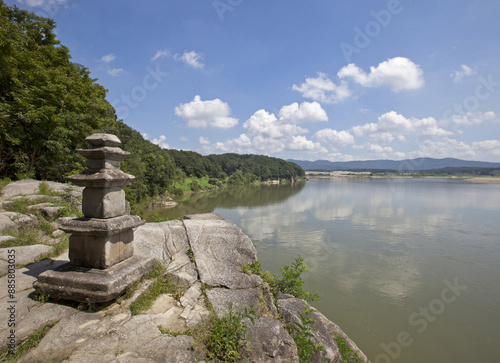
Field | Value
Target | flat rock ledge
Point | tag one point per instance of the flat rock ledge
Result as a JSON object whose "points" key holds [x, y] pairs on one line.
{"points": [[204, 254]]}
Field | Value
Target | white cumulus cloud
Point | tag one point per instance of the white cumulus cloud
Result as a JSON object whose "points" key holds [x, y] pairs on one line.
{"points": [[161, 54], [396, 125], [397, 73], [242, 144], [266, 133], [161, 142], [382, 137], [474, 118], [200, 114], [485, 150], [335, 139], [108, 58], [115, 72], [323, 89], [267, 125], [191, 58], [42, 3], [306, 112], [303, 144], [464, 71], [203, 140]]}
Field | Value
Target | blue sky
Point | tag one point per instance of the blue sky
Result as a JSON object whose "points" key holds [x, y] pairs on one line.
{"points": [[309, 79]]}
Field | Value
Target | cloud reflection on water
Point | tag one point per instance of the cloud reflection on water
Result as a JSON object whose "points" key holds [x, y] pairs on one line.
{"points": [[333, 224]]}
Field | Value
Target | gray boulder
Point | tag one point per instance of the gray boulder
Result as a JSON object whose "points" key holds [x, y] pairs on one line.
{"points": [[324, 332], [13, 220], [205, 216], [220, 251], [226, 300], [30, 186], [85, 337], [268, 341], [25, 254], [168, 242]]}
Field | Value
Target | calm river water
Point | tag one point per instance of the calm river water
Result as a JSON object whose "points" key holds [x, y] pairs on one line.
{"points": [[409, 268]]}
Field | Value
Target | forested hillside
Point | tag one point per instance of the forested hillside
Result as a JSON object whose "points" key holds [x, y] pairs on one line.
{"points": [[48, 105]]}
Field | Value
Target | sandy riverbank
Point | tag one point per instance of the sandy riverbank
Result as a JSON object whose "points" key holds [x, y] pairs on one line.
{"points": [[489, 180]]}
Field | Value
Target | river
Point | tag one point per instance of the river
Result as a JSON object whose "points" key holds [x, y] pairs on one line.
{"points": [[408, 268]]}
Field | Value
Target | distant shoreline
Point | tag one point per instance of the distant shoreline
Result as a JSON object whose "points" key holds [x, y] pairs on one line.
{"points": [[483, 180]]}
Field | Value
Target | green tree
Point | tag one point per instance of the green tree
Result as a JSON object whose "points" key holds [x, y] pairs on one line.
{"points": [[48, 104]]}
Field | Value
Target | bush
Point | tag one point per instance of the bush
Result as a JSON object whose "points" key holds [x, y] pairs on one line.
{"points": [[290, 281], [225, 341], [195, 186]]}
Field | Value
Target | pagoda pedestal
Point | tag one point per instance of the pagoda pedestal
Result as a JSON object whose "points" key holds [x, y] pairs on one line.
{"points": [[101, 250]]}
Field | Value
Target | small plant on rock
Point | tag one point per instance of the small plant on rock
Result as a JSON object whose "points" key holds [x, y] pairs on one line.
{"points": [[3, 183], [190, 254], [161, 285], [253, 268], [348, 355], [225, 339], [290, 281], [157, 219], [27, 344], [302, 334], [44, 189]]}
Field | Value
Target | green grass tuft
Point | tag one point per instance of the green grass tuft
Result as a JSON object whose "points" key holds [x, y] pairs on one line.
{"points": [[3, 183], [253, 268], [44, 189], [161, 285], [29, 343], [25, 235], [176, 333]]}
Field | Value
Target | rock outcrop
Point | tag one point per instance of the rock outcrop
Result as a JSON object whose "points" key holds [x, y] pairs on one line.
{"points": [[29, 191], [204, 254]]}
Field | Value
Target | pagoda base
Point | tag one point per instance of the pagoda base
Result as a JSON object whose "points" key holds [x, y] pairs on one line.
{"points": [[91, 285]]}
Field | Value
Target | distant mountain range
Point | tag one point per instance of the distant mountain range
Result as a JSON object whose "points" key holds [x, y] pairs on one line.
{"points": [[407, 165]]}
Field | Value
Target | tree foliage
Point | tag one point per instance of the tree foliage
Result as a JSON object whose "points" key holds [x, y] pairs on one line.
{"points": [[240, 168], [48, 104]]}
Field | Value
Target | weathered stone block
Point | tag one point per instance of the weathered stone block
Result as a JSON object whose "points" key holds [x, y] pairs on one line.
{"points": [[93, 285], [102, 164], [103, 203], [100, 251]]}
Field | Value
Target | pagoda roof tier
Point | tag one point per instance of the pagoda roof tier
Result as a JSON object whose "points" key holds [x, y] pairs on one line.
{"points": [[105, 152], [103, 140], [100, 227], [103, 178]]}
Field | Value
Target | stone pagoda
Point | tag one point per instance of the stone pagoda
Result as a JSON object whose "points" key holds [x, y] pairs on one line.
{"points": [[101, 249]]}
